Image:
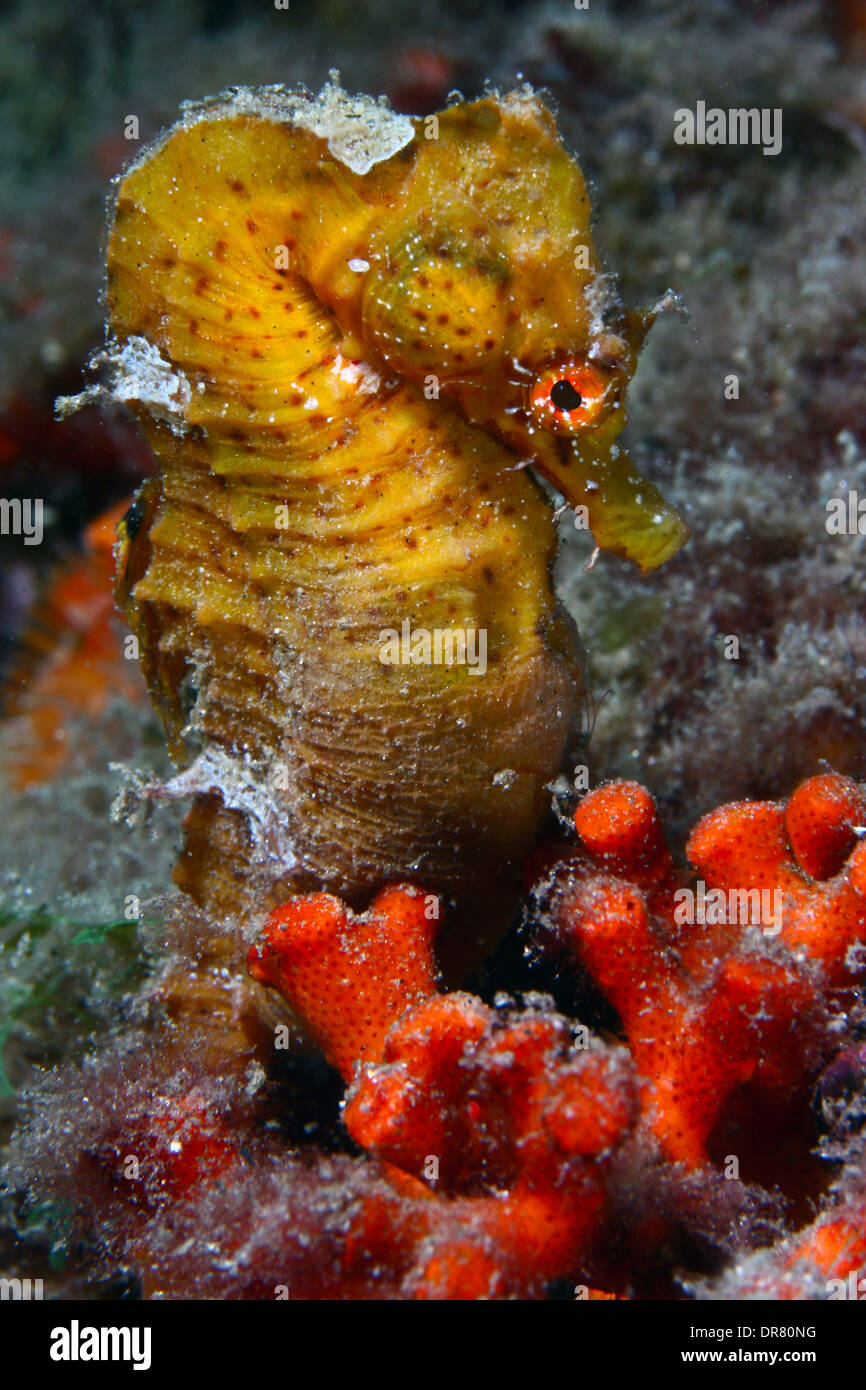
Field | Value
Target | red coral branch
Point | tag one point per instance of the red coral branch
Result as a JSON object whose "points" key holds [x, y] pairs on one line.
{"points": [[497, 1112], [742, 993], [349, 977]]}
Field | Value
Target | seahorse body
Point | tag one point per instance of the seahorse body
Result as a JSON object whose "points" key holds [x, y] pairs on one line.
{"points": [[351, 365]]}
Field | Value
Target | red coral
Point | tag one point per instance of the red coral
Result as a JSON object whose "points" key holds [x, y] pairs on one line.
{"points": [[500, 1153], [508, 1123], [350, 977], [836, 1245], [709, 1004], [495, 1112], [498, 1098]]}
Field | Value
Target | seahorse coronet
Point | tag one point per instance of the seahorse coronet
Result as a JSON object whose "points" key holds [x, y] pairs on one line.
{"points": [[330, 320]]}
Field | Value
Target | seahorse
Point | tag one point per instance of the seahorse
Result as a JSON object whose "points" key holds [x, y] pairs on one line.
{"points": [[352, 340]]}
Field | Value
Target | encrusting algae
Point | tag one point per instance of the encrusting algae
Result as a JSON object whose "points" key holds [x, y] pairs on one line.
{"points": [[346, 334]]}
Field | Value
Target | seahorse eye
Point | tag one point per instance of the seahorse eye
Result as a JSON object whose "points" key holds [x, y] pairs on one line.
{"points": [[570, 396], [564, 396]]}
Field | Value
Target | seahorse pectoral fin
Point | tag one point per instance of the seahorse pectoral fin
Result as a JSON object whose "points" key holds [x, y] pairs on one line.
{"points": [[625, 512]]}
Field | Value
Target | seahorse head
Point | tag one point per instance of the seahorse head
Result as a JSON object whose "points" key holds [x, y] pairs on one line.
{"points": [[489, 285]]}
